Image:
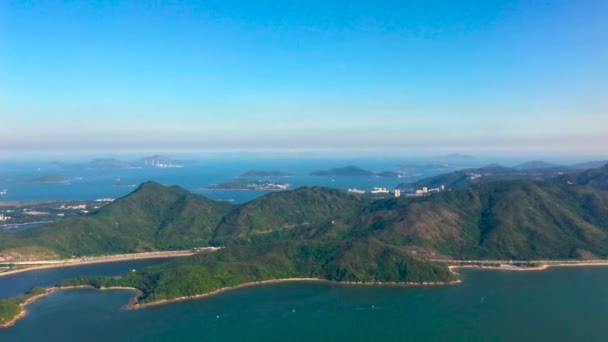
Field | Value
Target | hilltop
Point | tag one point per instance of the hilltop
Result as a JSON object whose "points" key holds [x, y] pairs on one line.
{"points": [[491, 173], [518, 219], [153, 217]]}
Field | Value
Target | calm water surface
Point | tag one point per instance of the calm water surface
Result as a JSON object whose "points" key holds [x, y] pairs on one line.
{"points": [[16, 284], [560, 304]]}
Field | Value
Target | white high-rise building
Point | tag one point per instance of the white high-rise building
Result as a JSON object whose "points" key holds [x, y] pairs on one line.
{"points": [[397, 193]]}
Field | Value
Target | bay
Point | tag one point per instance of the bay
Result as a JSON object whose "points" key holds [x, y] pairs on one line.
{"points": [[18, 283], [553, 305]]}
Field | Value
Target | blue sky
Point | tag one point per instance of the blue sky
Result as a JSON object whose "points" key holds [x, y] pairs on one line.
{"points": [[453, 76]]}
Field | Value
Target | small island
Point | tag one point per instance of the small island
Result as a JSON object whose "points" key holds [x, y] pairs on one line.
{"points": [[244, 184], [355, 171], [50, 179], [265, 174], [124, 185]]}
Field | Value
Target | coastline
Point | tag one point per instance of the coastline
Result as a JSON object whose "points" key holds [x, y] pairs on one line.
{"points": [[23, 224], [47, 264], [134, 304], [23, 312], [542, 265]]}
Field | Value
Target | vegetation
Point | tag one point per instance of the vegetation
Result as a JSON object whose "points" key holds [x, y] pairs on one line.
{"points": [[265, 174], [364, 260], [12, 307], [354, 171], [244, 184], [492, 173], [153, 217], [330, 234], [347, 171]]}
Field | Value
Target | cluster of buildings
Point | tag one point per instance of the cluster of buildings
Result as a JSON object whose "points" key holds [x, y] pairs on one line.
{"points": [[4, 218], [376, 191], [425, 191]]}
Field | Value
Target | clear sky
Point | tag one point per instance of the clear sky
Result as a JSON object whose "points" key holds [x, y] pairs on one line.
{"points": [[455, 76]]}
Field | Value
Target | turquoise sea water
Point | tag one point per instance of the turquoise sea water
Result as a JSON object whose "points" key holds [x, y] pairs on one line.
{"points": [[559, 304], [88, 184]]}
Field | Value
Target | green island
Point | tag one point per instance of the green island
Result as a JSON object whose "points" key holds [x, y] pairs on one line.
{"points": [[265, 174], [11, 309], [327, 234], [245, 184], [355, 171]]}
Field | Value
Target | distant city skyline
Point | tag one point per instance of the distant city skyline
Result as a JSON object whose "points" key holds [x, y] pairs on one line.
{"points": [[504, 77]]}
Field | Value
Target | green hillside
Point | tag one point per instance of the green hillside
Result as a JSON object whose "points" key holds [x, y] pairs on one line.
{"points": [[353, 261], [492, 173], [153, 217], [289, 214], [501, 220]]}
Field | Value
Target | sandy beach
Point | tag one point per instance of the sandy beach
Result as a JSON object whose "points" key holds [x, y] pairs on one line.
{"points": [[542, 265], [46, 264]]}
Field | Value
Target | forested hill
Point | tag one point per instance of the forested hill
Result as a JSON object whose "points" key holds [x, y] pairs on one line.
{"points": [[505, 219]]}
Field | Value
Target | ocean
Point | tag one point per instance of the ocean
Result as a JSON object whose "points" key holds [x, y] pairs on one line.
{"points": [[89, 184], [558, 304]]}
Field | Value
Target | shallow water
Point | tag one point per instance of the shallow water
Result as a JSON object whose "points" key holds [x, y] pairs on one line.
{"points": [[553, 305]]}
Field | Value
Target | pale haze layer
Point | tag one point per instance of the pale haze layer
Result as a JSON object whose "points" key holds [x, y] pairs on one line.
{"points": [[493, 76]]}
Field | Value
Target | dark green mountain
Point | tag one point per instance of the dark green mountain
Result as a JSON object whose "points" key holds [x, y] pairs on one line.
{"points": [[499, 220], [150, 218], [505, 219], [595, 178], [329, 234], [290, 214]]}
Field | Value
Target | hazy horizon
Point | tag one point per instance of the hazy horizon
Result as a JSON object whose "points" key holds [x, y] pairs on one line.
{"points": [[491, 77]]}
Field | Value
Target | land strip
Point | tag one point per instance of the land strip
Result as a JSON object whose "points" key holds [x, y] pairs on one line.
{"points": [[45, 264]]}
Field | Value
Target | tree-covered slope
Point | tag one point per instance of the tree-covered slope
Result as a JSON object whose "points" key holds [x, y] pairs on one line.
{"points": [[511, 219], [152, 217], [492, 173], [365, 260], [505, 219], [288, 214], [596, 178]]}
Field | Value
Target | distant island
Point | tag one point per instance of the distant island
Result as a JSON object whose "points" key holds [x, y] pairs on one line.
{"points": [[51, 179], [156, 161], [354, 171], [124, 185], [265, 174], [244, 184]]}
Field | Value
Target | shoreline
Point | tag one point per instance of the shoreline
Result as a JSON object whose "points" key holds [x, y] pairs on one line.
{"points": [[48, 264], [540, 267], [22, 224], [23, 312], [135, 305]]}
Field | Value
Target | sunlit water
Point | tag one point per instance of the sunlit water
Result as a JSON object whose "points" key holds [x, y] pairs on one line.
{"points": [[554, 305]]}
